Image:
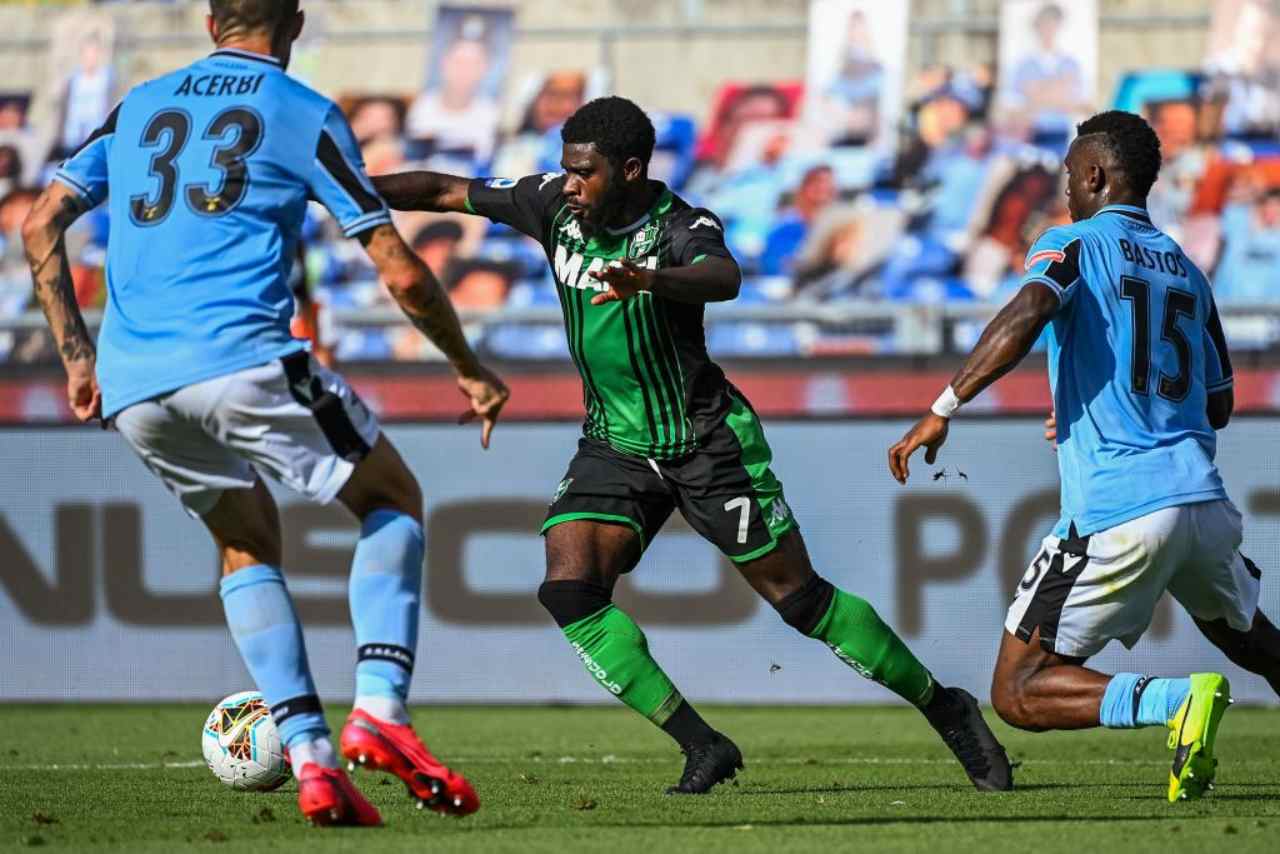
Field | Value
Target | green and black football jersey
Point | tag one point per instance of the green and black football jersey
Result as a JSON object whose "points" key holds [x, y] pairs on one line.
{"points": [[649, 387]]}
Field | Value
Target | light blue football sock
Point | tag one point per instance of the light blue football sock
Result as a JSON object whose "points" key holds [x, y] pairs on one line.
{"points": [[1160, 701], [1118, 709], [1132, 700], [385, 595], [265, 628]]}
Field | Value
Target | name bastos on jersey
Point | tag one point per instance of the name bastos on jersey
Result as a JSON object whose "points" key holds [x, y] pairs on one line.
{"points": [[207, 171], [1134, 352], [649, 387]]}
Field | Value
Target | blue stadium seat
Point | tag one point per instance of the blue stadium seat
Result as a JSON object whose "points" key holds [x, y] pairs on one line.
{"points": [[855, 167], [514, 248], [915, 257], [337, 296], [497, 229], [677, 137], [543, 290], [932, 290], [734, 338], [533, 292], [1136, 89], [550, 147], [760, 290], [1257, 146], [526, 342], [781, 244], [363, 345]]}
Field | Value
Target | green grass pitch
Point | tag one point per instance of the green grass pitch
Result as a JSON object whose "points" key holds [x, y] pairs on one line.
{"points": [[566, 779]]}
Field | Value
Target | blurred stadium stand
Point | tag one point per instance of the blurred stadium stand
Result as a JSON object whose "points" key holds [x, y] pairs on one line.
{"points": [[894, 253]]}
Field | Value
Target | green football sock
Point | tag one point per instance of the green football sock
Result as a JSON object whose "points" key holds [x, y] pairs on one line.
{"points": [[859, 638], [616, 653]]}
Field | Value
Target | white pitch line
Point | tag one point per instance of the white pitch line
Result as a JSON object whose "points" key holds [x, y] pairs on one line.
{"points": [[850, 760], [108, 766], [622, 760], [605, 760]]}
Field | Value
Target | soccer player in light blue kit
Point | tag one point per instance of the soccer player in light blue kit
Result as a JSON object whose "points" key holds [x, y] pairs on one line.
{"points": [[1141, 379], [207, 171]]}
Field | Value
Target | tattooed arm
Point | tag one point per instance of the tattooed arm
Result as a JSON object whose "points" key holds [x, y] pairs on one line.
{"points": [[423, 300], [43, 236]]}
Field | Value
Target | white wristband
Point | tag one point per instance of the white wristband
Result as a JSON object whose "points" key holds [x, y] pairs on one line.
{"points": [[946, 404]]}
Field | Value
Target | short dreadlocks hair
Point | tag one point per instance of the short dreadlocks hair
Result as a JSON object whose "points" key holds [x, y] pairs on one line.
{"points": [[246, 16], [617, 127], [1134, 144]]}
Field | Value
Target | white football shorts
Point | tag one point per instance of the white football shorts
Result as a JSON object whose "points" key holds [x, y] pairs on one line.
{"points": [[290, 419], [1083, 592]]}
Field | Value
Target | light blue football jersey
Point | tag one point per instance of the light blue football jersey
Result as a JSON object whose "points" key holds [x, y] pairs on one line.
{"points": [[207, 172], [1134, 352]]}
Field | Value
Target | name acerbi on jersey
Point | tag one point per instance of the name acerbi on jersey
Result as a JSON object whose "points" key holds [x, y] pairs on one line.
{"points": [[212, 85], [571, 274]]}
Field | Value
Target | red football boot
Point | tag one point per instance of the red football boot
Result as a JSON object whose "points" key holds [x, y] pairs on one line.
{"points": [[396, 749], [327, 797]]}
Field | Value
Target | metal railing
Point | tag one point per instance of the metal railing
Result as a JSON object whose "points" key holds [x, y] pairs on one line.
{"points": [[827, 314], [921, 328]]}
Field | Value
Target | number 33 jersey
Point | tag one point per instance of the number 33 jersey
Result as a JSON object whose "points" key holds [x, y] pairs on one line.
{"points": [[207, 172], [1134, 352]]}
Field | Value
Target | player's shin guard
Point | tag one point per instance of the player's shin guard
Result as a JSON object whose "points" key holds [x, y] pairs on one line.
{"points": [[611, 646], [856, 634], [265, 627], [385, 596]]}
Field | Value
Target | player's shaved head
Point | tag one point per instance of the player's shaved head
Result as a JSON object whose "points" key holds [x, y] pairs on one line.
{"points": [[1114, 160], [1129, 143], [237, 17]]}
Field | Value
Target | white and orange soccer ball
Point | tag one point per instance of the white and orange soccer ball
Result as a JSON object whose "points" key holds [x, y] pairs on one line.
{"points": [[242, 745]]}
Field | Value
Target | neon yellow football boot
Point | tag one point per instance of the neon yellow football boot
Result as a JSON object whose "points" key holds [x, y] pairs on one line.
{"points": [[1192, 731]]}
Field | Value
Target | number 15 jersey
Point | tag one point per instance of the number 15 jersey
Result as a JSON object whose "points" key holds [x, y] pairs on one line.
{"points": [[208, 171], [1134, 352]]}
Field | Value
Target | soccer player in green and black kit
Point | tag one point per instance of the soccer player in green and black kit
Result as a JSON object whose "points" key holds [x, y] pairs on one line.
{"points": [[634, 265]]}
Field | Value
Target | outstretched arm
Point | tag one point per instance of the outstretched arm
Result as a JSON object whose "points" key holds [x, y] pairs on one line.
{"points": [[43, 235], [712, 279], [1004, 343], [428, 308], [424, 191]]}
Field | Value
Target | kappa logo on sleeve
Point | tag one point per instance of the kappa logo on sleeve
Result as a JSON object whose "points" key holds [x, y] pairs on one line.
{"points": [[705, 221], [1054, 256], [547, 178], [501, 183]]}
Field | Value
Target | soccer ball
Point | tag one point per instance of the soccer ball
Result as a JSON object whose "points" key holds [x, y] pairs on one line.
{"points": [[242, 745]]}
